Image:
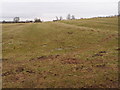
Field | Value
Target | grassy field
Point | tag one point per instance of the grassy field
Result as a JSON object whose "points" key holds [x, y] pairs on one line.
{"points": [[63, 54]]}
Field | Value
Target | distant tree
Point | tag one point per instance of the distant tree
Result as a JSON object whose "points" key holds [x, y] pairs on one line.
{"points": [[57, 18], [61, 18], [68, 17], [3, 21], [73, 17], [16, 19], [37, 20]]}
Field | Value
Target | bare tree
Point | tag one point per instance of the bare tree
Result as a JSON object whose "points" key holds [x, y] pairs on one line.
{"points": [[73, 17], [57, 18], [61, 18], [68, 17], [16, 19]]}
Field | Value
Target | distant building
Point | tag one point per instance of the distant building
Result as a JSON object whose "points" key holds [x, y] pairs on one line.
{"points": [[16, 19]]}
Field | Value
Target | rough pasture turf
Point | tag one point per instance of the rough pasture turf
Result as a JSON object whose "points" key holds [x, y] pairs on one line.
{"points": [[63, 54]]}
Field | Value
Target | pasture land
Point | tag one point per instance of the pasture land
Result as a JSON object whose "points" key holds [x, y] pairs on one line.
{"points": [[63, 54]]}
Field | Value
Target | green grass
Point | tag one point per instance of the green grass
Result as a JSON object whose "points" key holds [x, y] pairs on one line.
{"points": [[63, 54]]}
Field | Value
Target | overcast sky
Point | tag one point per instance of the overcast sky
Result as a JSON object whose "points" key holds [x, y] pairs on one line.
{"points": [[59, 0], [48, 11]]}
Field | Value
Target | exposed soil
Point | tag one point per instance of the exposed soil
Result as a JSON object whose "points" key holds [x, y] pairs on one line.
{"points": [[118, 49], [109, 37], [45, 57], [4, 59], [20, 69], [7, 73], [70, 61], [100, 53]]}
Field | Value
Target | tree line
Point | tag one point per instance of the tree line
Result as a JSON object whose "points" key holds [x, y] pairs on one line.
{"points": [[17, 19], [69, 17]]}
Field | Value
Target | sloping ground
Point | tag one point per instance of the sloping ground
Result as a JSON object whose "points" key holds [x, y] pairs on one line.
{"points": [[64, 54]]}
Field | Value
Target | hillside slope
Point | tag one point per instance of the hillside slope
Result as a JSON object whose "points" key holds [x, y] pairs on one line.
{"points": [[63, 54]]}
